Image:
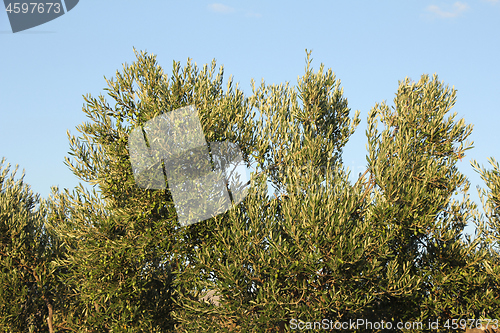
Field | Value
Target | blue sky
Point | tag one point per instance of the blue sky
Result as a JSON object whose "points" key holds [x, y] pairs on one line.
{"points": [[44, 71]]}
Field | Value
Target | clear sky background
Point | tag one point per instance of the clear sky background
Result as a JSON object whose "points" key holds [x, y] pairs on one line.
{"points": [[370, 45]]}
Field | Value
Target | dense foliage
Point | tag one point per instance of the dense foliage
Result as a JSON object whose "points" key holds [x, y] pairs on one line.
{"points": [[388, 247]]}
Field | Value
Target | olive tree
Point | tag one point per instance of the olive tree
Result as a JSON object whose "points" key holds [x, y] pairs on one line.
{"points": [[30, 287], [388, 247]]}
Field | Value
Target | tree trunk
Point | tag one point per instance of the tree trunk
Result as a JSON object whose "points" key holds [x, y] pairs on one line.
{"points": [[49, 318]]}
